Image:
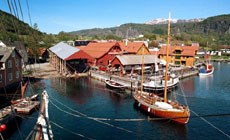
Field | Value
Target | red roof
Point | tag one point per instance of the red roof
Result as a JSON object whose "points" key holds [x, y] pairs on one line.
{"points": [[154, 52], [132, 47], [80, 55], [96, 50], [186, 50]]}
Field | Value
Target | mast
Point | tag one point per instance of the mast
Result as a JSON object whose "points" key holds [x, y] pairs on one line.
{"points": [[167, 54], [142, 70]]}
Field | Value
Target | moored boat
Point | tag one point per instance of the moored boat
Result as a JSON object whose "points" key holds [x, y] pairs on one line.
{"points": [[114, 85], [208, 69], [158, 84], [162, 107]]}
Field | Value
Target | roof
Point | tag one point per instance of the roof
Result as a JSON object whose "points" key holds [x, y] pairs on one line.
{"points": [[186, 50], [137, 59], [131, 47], [80, 55], [63, 50], [96, 50], [40, 51], [19, 46], [5, 53]]}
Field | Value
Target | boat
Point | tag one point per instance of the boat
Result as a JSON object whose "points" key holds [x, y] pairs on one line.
{"points": [[114, 85], [23, 89], [7, 114], [157, 83], [207, 69], [43, 128], [25, 105], [158, 106]]}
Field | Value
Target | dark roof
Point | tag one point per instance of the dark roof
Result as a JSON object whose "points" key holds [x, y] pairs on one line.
{"points": [[5, 53], [20, 48]]}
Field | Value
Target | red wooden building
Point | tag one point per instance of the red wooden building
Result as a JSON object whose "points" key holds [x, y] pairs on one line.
{"points": [[102, 52], [10, 68]]}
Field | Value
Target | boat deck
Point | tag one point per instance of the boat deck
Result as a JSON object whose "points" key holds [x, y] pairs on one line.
{"points": [[26, 107]]}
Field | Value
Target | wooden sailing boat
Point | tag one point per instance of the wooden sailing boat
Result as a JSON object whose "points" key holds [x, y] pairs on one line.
{"points": [[158, 106]]}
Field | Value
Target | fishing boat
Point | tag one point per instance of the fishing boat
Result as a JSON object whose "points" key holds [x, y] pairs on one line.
{"points": [[114, 85], [157, 84], [158, 106], [207, 69]]}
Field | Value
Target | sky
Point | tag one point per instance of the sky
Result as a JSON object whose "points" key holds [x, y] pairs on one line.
{"points": [[53, 16]]}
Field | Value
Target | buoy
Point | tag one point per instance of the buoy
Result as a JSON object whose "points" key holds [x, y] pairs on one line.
{"points": [[2, 127]]}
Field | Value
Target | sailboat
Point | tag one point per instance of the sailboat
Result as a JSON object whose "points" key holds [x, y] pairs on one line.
{"points": [[158, 106], [23, 90]]}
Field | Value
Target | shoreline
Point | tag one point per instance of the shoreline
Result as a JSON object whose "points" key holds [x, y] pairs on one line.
{"points": [[42, 70]]}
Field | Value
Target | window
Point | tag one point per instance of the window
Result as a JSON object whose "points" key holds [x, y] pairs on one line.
{"points": [[17, 74], [9, 64], [16, 62], [10, 77]]}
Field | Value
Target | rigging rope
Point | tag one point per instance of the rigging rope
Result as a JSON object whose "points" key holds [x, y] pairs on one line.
{"points": [[77, 134], [211, 124], [19, 3], [83, 115]]}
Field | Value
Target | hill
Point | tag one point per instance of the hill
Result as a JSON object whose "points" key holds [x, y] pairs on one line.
{"points": [[212, 31], [12, 29]]}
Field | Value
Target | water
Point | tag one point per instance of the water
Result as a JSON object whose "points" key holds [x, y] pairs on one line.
{"points": [[76, 103]]}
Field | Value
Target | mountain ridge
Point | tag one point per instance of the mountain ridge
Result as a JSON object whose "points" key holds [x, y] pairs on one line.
{"points": [[165, 21]]}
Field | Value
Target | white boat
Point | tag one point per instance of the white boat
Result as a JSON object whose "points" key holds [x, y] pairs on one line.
{"points": [[114, 85], [158, 84], [208, 69]]}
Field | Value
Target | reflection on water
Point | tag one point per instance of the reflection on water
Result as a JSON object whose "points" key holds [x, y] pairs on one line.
{"points": [[91, 98]]}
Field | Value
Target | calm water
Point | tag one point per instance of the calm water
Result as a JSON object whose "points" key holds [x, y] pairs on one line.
{"points": [[75, 104]]}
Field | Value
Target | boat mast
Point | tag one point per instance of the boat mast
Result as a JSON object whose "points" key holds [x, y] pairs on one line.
{"points": [[167, 54], [142, 70]]}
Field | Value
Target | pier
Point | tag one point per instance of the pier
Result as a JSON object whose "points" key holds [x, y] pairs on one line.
{"points": [[132, 83]]}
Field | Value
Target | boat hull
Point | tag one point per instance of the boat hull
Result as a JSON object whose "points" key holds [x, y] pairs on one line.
{"points": [[113, 85], [208, 73], [181, 117]]}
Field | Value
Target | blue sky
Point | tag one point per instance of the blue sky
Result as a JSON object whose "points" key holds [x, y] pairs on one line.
{"points": [[53, 16]]}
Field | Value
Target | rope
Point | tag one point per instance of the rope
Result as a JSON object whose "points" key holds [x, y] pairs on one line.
{"points": [[77, 134], [64, 110], [182, 90], [84, 115], [19, 3], [211, 124]]}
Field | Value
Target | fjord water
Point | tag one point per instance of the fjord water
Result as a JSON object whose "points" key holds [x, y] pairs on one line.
{"points": [[76, 104]]}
